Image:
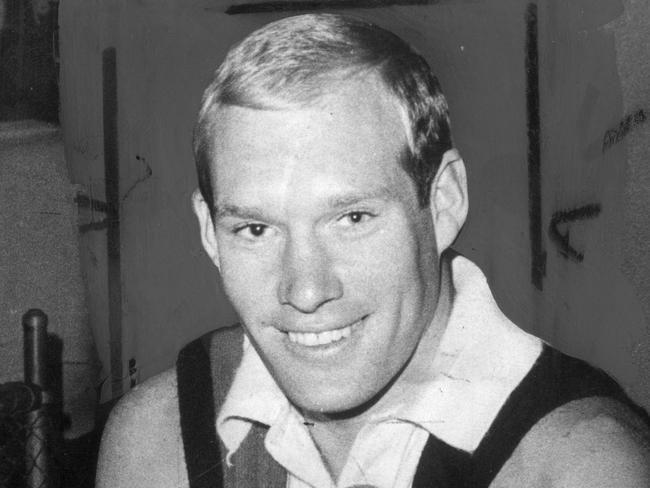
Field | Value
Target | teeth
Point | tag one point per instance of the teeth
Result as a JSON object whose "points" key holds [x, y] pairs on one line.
{"points": [[320, 339]]}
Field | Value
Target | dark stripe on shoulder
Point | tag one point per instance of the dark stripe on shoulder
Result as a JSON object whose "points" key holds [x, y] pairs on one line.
{"points": [[202, 456], [555, 380], [442, 466], [198, 400]]}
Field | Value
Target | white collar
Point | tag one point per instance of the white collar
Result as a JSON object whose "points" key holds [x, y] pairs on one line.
{"points": [[482, 357]]}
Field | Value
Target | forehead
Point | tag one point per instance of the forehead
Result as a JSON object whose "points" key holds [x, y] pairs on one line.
{"points": [[353, 138]]}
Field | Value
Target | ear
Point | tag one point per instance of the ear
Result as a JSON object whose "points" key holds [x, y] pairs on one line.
{"points": [[206, 224], [449, 201]]}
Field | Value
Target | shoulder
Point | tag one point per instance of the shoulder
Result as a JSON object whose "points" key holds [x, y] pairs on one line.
{"points": [[595, 442], [601, 443], [142, 445]]}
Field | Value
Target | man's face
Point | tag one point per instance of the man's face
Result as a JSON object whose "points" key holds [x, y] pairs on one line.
{"points": [[323, 249]]}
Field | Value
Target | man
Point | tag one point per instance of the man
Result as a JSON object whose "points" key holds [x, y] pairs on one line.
{"points": [[371, 354]]}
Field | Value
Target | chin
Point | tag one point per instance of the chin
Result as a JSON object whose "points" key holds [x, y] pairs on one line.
{"points": [[338, 405]]}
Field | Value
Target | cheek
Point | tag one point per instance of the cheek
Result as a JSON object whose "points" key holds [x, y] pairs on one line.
{"points": [[247, 281], [388, 262], [397, 273]]}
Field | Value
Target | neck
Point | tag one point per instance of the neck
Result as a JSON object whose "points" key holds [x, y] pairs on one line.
{"points": [[334, 435]]}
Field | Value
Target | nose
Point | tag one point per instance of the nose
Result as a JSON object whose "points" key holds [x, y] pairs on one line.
{"points": [[308, 278]]}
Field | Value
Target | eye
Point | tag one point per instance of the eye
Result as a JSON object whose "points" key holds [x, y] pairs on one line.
{"points": [[252, 230], [356, 217]]}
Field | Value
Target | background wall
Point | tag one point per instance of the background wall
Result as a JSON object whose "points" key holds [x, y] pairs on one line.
{"points": [[40, 268], [549, 103]]}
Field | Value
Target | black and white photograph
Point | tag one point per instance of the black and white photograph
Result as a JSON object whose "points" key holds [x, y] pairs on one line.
{"points": [[324, 243]]}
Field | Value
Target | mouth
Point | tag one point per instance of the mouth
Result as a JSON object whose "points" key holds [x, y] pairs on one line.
{"points": [[316, 339]]}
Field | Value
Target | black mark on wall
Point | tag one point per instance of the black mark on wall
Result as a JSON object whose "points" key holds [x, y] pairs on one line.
{"points": [[147, 174], [84, 201], [562, 240], [617, 134], [90, 226], [294, 5], [538, 256], [112, 188]]}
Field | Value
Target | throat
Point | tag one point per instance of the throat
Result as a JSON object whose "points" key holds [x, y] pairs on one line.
{"points": [[334, 441]]}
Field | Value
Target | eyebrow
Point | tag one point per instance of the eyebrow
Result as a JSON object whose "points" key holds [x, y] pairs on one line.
{"points": [[230, 210], [224, 210], [340, 201]]}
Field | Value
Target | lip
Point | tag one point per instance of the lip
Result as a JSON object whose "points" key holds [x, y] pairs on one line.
{"points": [[320, 328], [329, 339]]}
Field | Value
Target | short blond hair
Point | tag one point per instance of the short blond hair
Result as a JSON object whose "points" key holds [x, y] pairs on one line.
{"points": [[295, 61]]}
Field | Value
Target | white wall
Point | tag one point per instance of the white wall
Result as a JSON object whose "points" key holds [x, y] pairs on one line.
{"points": [[596, 308]]}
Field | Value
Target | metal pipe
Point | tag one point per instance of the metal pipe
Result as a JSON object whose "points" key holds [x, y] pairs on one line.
{"points": [[38, 463], [35, 344]]}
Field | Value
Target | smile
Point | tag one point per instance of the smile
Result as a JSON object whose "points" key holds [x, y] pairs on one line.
{"points": [[322, 338]]}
